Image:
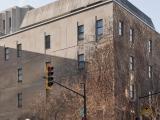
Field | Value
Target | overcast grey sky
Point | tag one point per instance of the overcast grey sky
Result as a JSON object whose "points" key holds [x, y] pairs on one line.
{"points": [[150, 7]]}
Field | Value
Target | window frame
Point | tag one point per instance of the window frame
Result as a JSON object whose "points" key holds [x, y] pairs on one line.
{"points": [[81, 67], [20, 74], [10, 22], [19, 100], [120, 28], [131, 35], [131, 63], [47, 42], [150, 71], [4, 24], [80, 34], [19, 50], [99, 27], [150, 46], [6, 53], [132, 91]]}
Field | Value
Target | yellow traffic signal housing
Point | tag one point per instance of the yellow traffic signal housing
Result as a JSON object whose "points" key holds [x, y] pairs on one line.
{"points": [[146, 111]]}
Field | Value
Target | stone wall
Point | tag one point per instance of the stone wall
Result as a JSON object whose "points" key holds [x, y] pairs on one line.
{"points": [[142, 59]]}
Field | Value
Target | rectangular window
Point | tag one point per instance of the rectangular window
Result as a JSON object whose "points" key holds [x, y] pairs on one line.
{"points": [[4, 24], [19, 50], [6, 50], [132, 90], [120, 28], [81, 32], [20, 75], [150, 71], [131, 63], [99, 29], [47, 42], [131, 36], [10, 22], [81, 62], [19, 100], [149, 46]]}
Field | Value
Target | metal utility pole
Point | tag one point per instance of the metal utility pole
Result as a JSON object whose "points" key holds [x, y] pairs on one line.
{"points": [[85, 101]]}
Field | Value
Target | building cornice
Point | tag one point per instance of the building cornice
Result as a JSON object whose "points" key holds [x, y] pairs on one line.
{"points": [[74, 12], [134, 15], [67, 14]]}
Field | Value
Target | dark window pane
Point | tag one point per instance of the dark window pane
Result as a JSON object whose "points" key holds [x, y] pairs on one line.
{"points": [[20, 74], [99, 23], [6, 53], [10, 22], [47, 42], [81, 29], [80, 37], [19, 100], [81, 32], [19, 50], [81, 65], [4, 24], [99, 29], [81, 57], [81, 62]]}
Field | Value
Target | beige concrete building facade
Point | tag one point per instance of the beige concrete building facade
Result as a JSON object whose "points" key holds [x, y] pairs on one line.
{"points": [[11, 19], [23, 52]]}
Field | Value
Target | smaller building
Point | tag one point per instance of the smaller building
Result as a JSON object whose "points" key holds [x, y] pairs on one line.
{"points": [[11, 19]]}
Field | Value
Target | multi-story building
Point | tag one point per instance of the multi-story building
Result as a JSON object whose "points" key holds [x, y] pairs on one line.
{"points": [[11, 19], [64, 32]]}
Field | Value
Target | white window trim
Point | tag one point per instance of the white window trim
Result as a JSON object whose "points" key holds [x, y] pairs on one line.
{"points": [[131, 35], [150, 71], [149, 46], [131, 63], [120, 28]]}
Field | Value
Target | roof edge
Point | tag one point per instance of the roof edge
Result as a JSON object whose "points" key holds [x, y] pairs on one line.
{"points": [[136, 12]]}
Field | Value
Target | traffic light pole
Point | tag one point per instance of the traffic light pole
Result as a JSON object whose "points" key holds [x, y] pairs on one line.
{"points": [[82, 95], [146, 96], [85, 101]]}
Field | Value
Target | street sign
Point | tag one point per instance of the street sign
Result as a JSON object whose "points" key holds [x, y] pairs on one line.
{"points": [[146, 111], [82, 112]]}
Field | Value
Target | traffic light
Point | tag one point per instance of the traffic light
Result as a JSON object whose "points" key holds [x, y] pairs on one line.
{"points": [[49, 76], [84, 118]]}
